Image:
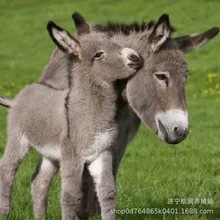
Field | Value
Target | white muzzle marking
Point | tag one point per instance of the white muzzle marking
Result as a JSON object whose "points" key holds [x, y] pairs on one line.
{"points": [[172, 125]]}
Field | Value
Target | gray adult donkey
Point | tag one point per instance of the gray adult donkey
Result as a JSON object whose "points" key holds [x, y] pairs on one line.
{"points": [[156, 94], [76, 125]]}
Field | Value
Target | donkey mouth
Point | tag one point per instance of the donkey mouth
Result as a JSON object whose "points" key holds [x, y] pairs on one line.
{"points": [[180, 138], [163, 130], [136, 63], [136, 66]]}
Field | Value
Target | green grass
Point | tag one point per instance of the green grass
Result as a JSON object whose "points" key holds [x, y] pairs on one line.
{"points": [[151, 171]]}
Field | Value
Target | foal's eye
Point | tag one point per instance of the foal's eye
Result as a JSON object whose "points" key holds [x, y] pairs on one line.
{"points": [[99, 55]]}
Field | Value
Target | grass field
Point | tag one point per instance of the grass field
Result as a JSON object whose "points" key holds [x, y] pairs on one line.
{"points": [[151, 173]]}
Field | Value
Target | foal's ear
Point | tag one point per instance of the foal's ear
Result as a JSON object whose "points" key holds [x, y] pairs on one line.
{"points": [[188, 43], [161, 31], [82, 26], [63, 39]]}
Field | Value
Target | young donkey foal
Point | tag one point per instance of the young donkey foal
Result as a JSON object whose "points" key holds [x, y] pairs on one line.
{"points": [[76, 125]]}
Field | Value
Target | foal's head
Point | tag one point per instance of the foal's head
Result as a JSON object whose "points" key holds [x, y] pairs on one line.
{"points": [[94, 55]]}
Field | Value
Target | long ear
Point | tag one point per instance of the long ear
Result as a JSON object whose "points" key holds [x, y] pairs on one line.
{"points": [[161, 31], [63, 39], [188, 43], [82, 26]]}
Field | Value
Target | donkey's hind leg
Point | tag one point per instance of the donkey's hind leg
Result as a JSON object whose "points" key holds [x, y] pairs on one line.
{"points": [[41, 182], [17, 147]]}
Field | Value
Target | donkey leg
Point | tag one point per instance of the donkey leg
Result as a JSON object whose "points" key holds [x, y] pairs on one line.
{"points": [[102, 173], [16, 149], [71, 190], [41, 181], [71, 166], [89, 205]]}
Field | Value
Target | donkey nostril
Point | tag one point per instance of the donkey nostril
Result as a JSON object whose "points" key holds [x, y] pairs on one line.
{"points": [[177, 131], [133, 58]]}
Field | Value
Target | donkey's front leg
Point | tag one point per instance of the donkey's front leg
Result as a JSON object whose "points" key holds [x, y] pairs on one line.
{"points": [[89, 205], [102, 172], [71, 166], [40, 186]]}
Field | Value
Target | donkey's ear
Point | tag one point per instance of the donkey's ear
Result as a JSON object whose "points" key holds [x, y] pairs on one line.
{"points": [[161, 31], [188, 43], [63, 39], [82, 26]]}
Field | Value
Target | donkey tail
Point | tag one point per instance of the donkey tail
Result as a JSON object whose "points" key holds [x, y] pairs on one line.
{"points": [[8, 103]]}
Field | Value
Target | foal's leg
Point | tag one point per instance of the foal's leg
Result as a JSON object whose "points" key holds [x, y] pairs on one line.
{"points": [[89, 205], [17, 147], [102, 172], [71, 167], [41, 182]]}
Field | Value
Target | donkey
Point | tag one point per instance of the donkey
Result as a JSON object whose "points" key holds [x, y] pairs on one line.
{"points": [[156, 94], [75, 126]]}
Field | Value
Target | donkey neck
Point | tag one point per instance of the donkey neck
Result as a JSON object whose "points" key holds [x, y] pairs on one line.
{"points": [[95, 99]]}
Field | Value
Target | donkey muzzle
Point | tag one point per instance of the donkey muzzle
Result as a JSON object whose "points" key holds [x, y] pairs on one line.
{"points": [[133, 59], [172, 126]]}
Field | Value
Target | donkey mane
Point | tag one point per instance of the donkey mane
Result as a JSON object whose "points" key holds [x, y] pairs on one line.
{"points": [[126, 29]]}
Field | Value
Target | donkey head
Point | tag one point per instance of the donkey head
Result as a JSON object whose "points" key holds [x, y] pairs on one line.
{"points": [[94, 54], [157, 92]]}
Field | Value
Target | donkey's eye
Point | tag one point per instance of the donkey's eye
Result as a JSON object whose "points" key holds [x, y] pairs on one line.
{"points": [[161, 77], [99, 55]]}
